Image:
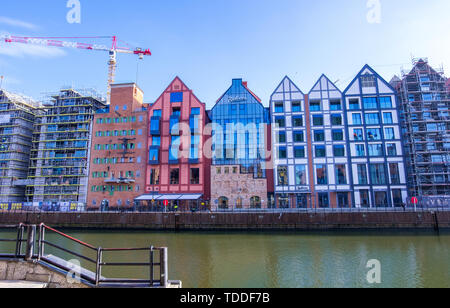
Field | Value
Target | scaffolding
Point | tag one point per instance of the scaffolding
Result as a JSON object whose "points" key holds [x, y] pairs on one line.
{"points": [[425, 102], [59, 161], [17, 115]]}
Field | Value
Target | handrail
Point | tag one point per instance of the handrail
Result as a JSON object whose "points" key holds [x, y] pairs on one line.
{"points": [[96, 278]]}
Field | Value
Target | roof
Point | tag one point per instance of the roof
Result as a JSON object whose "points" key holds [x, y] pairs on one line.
{"points": [[20, 98]]}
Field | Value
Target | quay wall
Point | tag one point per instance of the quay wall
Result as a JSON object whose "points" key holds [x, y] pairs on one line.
{"points": [[234, 221]]}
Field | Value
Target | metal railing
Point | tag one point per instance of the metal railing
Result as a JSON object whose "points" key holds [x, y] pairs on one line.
{"points": [[157, 257]]}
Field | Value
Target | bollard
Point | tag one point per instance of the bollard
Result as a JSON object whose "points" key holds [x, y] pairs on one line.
{"points": [[30, 242]]}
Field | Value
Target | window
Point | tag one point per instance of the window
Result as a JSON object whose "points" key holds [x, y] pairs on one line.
{"points": [[299, 152], [282, 137], [174, 149], [368, 81], [336, 119], [372, 118], [282, 176], [338, 135], [387, 118], [193, 154], [354, 104], [395, 173], [176, 97], [153, 155], [314, 106], [176, 112], [362, 174], [381, 199], [377, 174], [194, 124], [299, 137], [300, 175], [282, 153], [391, 149], [154, 126], [319, 135], [255, 202], [356, 119], [341, 178], [339, 151], [298, 121], [280, 121], [195, 176], [386, 102], [296, 106], [335, 105], [343, 200], [389, 133], [279, 107], [195, 111], [360, 150], [358, 134], [157, 113], [324, 201], [175, 176], [375, 150], [174, 124], [374, 134], [364, 198], [156, 141], [318, 120], [370, 103], [397, 197], [320, 151], [321, 174]]}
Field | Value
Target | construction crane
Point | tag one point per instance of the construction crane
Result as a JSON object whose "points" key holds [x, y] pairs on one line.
{"points": [[62, 43]]}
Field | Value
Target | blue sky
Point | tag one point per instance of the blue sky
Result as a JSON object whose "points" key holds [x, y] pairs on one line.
{"points": [[207, 43]]}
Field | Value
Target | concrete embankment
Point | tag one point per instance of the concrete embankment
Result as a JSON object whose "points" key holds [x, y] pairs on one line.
{"points": [[235, 221]]}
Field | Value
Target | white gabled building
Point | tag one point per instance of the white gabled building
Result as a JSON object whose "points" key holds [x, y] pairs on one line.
{"points": [[378, 166]]}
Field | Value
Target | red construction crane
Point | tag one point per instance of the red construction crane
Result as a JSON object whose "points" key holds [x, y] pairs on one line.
{"points": [[60, 42]]}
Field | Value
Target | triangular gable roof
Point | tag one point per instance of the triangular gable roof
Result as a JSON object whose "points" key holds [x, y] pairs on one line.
{"points": [[184, 87], [365, 69], [246, 87], [331, 85], [280, 89], [423, 62]]}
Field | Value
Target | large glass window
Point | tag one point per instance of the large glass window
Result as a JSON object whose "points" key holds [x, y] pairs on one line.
{"points": [[389, 133], [195, 176], [386, 102], [176, 97], [321, 174], [174, 148], [280, 121], [391, 149], [360, 150], [335, 105], [395, 173], [358, 134], [372, 118], [338, 135], [281, 137], [362, 174], [282, 172], [356, 119], [324, 200], [314, 106], [374, 134], [341, 177], [387, 118], [354, 104], [279, 107], [370, 103], [282, 153], [381, 199], [296, 106], [364, 198], [368, 81], [175, 176], [300, 175], [154, 176], [375, 150], [377, 174], [153, 155]]}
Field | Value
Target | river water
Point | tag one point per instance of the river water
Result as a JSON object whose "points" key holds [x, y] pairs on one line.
{"points": [[287, 260]]}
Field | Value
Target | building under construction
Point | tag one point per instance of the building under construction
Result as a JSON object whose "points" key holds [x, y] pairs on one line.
{"points": [[17, 114], [59, 167], [425, 102]]}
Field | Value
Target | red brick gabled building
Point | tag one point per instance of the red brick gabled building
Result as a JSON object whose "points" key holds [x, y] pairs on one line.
{"points": [[178, 172], [119, 150]]}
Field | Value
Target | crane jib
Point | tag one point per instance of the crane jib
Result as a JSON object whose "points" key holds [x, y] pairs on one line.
{"points": [[54, 43]]}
